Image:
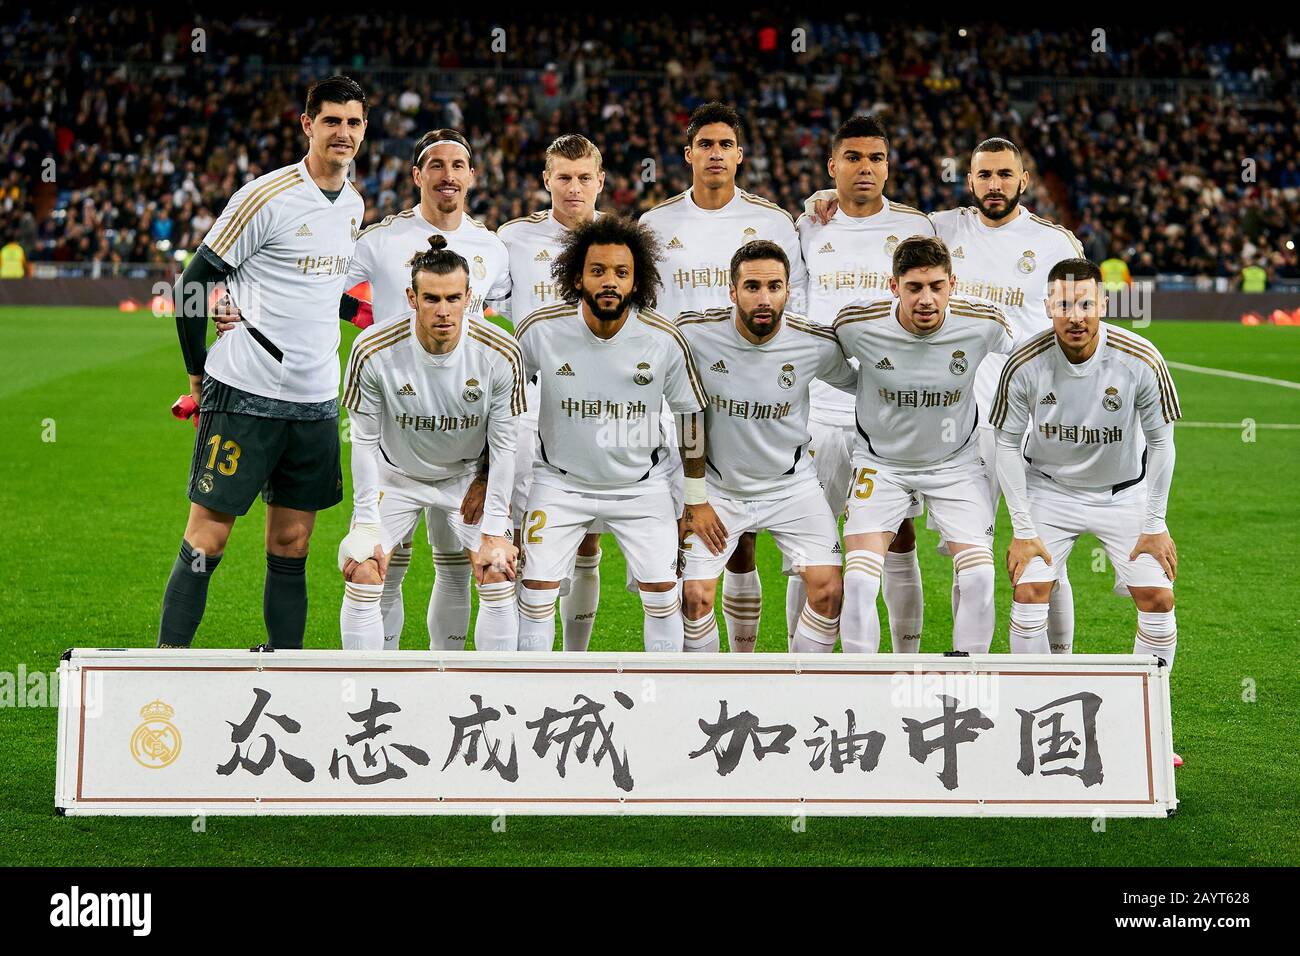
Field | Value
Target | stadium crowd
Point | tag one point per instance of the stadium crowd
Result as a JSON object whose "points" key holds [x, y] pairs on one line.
{"points": [[122, 130]]}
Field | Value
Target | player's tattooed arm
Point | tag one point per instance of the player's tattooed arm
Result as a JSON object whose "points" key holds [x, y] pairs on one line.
{"points": [[698, 515]]}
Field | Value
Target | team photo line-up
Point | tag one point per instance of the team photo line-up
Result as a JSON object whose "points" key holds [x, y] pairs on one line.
{"points": [[682, 382]]}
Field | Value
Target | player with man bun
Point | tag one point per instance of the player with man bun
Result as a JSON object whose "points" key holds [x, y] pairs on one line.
{"points": [[425, 393]]}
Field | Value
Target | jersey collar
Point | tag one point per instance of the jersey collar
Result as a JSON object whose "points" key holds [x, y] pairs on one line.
{"points": [[1086, 367], [700, 210]]}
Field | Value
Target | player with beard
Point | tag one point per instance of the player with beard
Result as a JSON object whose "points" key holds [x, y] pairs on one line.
{"points": [[443, 173], [758, 363], [606, 363]]}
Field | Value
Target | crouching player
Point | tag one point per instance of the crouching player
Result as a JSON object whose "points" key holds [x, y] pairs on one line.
{"points": [[1100, 407], [425, 392], [916, 421], [757, 363]]}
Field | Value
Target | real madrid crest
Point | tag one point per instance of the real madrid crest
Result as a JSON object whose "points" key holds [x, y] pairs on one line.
{"points": [[891, 243], [749, 235], [1026, 264], [472, 391], [205, 482], [643, 375], [958, 365], [1111, 400], [786, 378], [156, 742], [480, 270]]}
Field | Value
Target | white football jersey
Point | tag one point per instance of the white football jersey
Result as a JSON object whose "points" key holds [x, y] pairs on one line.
{"points": [[1006, 265], [699, 243], [1086, 422], [290, 248], [916, 402], [437, 413], [851, 258], [756, 419], [383, 258], [599, 415], [533, 242]]}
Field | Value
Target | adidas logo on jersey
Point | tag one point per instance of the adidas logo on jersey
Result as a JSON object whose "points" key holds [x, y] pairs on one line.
{"points": [[406, 390], [989, 531], [542, 256], [826, 248], [1049, 399], [959, 253], [719, 366], [885, 365], [303, 231], [675, 244], [564, 370]]}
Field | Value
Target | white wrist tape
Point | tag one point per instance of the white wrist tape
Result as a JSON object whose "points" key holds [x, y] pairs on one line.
{"points": [[696, 491], [359, 544]]}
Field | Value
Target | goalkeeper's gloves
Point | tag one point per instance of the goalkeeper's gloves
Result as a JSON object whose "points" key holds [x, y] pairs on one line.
{"points": [[359, 545], [365, 316]]}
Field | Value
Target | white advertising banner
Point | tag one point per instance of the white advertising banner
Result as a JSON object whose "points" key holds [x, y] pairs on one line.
{"points": [[145, 731]]}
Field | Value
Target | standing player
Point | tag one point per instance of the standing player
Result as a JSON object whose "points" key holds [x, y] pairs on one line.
{"points": [[268, 390], [1100, 407], [1002, 253], [443, 173], [760, 363], [851, 257], [916, 422], [699, 230], [606, 363], [425, 392], [574, 177]]}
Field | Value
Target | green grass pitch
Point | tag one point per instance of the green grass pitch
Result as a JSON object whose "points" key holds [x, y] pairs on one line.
{"points": [[92, 521]]}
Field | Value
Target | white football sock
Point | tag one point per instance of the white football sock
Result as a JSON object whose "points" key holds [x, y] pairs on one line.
{"points": [[578, 607], [815, 633], [1029, 628], [496, 628], [448, 616], [972, 628], [795, 596], [662, 627], [701, 635], [1060, 616], [1157, 633], [537, 618], [859, 622], [360, 620], [742, 607], [399, 562], [904, 601]]}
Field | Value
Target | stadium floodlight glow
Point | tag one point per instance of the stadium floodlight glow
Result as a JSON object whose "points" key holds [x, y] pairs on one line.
{"points": [[1290, 245], [961, 32], [164, 244], [179, 255]]}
